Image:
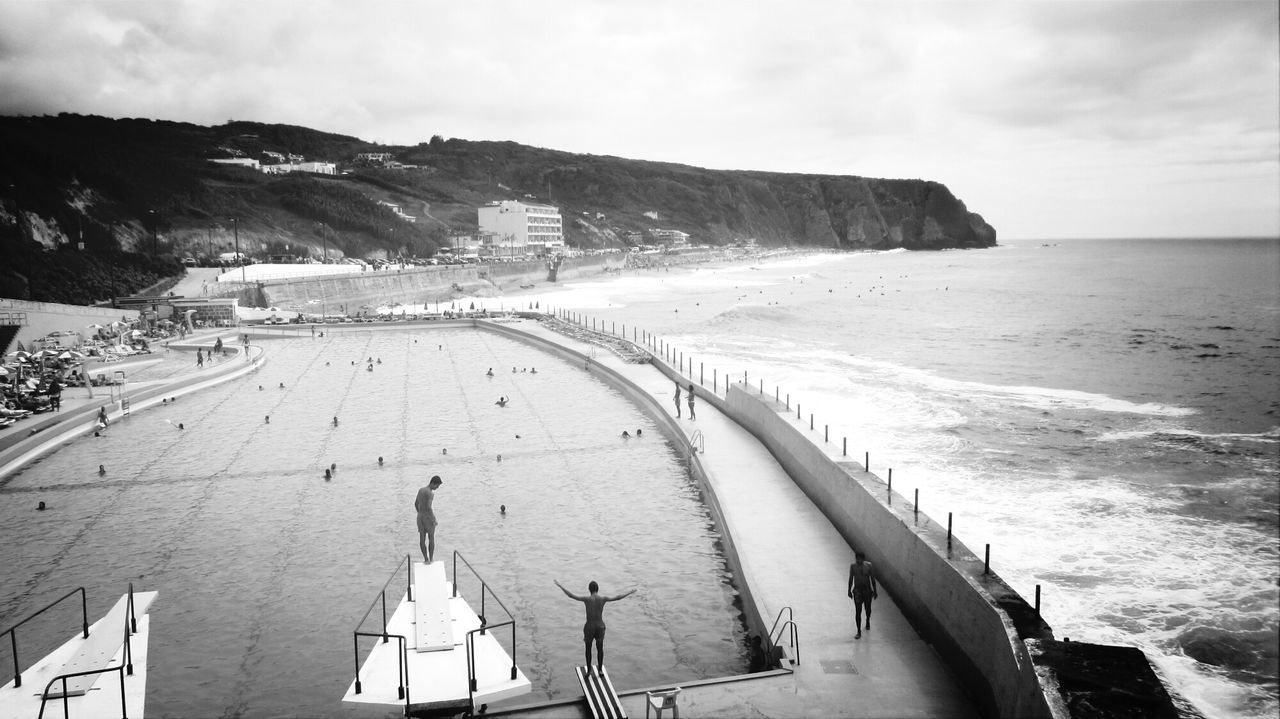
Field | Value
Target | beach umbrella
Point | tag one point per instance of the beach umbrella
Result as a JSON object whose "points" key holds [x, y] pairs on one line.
{"points": [[94, 326]]}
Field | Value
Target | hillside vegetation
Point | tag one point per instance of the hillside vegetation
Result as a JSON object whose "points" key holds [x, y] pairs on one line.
{"points": [[149, 186]]}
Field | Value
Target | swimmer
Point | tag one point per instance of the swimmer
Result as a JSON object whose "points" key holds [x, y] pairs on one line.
{"points": [[327, 475], [626, 434], [513, 370], [639, 433], [181, 426], [335, 421], [533, 370], [369, 368], [259, 388], [267, 419], [40, 508], [502, 402], [499, 458], [379, 360], [444, 451], [101, 470], [502, 509], [489, 373], [379, 461], [282, 385], [334, 467]]}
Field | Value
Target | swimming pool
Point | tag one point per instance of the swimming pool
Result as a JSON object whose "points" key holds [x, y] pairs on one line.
{"points": [[263, 567]]}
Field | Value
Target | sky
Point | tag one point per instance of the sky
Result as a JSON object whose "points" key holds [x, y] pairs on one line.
{"points": [[1088, 118]]}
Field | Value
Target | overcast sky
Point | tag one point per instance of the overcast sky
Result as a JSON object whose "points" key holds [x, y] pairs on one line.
{"points": [[1052, 119]]}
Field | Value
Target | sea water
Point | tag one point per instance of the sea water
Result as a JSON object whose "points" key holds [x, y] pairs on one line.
{"points": [[1102, 413], [264, 567]]}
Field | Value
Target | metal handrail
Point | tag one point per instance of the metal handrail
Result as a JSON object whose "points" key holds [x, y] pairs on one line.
{"points": [[356, 633], [66, 709], [484, 588], [403, 690], [697, 441], [795, 630], [13, 636], [484, 626], [471, 658]]}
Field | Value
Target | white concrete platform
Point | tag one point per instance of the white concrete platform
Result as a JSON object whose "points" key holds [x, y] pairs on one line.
{"points": [[433, 621], [437, 677], [97, 695]]}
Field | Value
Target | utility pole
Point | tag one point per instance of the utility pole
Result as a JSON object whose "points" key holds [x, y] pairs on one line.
{"points": [[235, 224]]}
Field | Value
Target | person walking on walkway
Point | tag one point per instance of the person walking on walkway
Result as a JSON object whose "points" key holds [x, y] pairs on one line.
{"points": [[593, 630], [862, 589], [199, 358], [677, 401], [426, 516], [691, 416]]}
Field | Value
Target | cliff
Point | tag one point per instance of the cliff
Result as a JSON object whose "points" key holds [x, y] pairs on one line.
{"points": [[144, 185]]}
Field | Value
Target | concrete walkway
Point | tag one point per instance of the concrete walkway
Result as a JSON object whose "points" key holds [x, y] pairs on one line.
{"points": [[791, 557]]}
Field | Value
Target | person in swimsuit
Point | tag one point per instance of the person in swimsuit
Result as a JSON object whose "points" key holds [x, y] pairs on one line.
{"points": [[593, 630], [862, 589], [427, 518], [691, 401], [677, 401]]}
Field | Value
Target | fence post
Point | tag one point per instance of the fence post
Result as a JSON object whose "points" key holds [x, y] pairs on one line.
{"points": [[986, 560], [948, 530], [702, 374], [1037, 599], [826, 433], [844, 448], [866, 461], [916, 505]]}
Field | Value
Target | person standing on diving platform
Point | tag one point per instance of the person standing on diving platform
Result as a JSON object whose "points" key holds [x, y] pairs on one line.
{"points": [[593, 630]]}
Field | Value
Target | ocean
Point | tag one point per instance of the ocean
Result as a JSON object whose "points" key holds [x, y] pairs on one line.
{"points": [[1103, 413]]}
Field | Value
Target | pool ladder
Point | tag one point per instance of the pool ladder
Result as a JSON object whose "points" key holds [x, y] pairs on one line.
{"points": [[697, 442]]}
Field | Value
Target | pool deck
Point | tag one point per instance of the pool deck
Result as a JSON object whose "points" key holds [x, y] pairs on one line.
{"points": [[791, 556]]}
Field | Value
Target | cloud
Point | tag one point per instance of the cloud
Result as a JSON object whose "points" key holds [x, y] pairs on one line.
{"points": [[971, 93]]}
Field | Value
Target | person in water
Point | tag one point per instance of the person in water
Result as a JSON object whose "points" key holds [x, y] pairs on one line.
{"points": [[862, 589], [427, 518], [593, 630]]}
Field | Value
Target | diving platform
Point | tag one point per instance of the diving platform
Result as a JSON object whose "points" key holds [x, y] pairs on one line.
{"points": [[100, 672], [432, 655], [597, 690]]}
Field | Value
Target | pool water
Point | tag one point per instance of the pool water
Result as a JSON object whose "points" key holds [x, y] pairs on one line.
{"points": [[264, 568]]}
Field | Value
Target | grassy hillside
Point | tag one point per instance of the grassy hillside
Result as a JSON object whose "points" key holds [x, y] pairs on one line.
{"points": [[144, 185]]}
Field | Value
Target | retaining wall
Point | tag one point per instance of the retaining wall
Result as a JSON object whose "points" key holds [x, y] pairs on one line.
{"points": [[45, 317], [416, 284], [941, 587]]}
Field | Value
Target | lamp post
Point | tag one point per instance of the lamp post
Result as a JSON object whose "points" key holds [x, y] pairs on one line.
{"points": [[235, 226]]}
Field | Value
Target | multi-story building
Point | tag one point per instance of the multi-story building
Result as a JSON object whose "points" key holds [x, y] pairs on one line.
{"points": [[537, 229], [675, 238]]}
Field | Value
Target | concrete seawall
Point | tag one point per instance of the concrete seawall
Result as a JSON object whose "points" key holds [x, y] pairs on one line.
{"points": [[409, 285], [941, 586]]}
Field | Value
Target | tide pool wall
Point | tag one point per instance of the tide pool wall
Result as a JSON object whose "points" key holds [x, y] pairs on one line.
{"points": [[973, 618], [407, 286]]}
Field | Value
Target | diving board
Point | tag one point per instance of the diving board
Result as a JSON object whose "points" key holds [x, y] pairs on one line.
{"points": [[433, 622], [94, 695], [597, 689]]}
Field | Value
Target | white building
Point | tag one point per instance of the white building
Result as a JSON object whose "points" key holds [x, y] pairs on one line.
{"points": [[537, 229], [675, 238], [241, 161]]}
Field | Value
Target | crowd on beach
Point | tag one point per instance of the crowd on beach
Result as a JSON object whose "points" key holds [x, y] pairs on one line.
{"points": [[32, 382]]}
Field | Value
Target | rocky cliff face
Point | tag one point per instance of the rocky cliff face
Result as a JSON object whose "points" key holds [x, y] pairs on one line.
{"points": [[845, 212]]}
